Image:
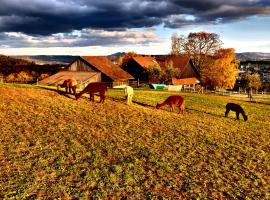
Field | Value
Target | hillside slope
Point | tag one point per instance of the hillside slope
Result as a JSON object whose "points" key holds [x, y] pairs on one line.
{"points": [[52, 146]]}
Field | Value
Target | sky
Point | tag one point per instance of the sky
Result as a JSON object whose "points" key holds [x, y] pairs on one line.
{"points": [[103, 27]]}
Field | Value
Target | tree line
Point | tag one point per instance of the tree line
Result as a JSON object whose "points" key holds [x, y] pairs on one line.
{"points": [[20, 70]]}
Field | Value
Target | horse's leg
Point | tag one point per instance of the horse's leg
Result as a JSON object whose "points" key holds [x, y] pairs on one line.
{"points": [[130, 98], [227, 112], [237, 115], [74, 90], [101, 96], [91, 96], [181, 108]]}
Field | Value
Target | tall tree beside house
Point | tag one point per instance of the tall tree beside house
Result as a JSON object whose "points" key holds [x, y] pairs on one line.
{"points": [[221, 69], [154, 74], [251, 81], [169, 72], [198, 46], [165, 75]]}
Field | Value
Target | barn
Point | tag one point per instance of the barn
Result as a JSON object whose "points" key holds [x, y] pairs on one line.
{"points": [[86, 69], [138, 65], [110, 73]]}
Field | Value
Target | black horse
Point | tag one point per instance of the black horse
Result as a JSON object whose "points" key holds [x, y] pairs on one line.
{"points": [[236, 108]]}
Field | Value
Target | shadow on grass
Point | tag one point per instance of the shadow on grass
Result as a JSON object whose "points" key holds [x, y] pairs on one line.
{"points": [[63, 93], [153, 107], [256, 102]]}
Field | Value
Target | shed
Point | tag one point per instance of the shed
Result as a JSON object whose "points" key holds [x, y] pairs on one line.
{"points": [[186, 83]]}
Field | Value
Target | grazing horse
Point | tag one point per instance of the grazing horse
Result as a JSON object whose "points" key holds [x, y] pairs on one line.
{"points": [[171, 100], [69, 84], [236, 108], [128, 92], [92, 88]]}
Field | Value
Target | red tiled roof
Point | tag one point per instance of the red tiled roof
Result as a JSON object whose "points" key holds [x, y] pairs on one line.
{"points": [[185, 81], [146, 61], [104, 65], [178, 61]]}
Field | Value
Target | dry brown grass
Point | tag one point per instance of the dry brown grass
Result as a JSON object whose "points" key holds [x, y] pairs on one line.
{"points": [[52, 146]]}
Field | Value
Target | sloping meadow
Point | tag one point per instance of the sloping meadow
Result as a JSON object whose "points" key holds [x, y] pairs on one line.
{"points": [[52, 146]]}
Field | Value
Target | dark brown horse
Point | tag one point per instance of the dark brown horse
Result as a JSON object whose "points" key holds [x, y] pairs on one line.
{"points": [[92, 88], [236, 108], [171, 100], [69, 84]]}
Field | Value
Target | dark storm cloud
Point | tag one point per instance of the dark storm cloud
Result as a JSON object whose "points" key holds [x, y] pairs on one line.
{"points": [[38, 17], [85, 37]]}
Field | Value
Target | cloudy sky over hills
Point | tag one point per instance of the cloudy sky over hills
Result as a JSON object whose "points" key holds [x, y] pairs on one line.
{"points": [[90, 27]]}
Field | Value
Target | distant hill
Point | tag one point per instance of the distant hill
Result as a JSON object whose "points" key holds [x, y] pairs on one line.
{"points": [[11, 61], [59, 59], [253, 56], [48, 59]]}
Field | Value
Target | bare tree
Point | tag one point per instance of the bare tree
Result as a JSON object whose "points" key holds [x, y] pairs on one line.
{"points": [[198, 46]]}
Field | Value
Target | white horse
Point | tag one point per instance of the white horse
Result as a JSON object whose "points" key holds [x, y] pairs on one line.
{"points": [[128, 91]]}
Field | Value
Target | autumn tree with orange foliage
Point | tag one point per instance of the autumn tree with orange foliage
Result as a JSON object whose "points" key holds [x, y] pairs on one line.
{"points": [[221, 69]]}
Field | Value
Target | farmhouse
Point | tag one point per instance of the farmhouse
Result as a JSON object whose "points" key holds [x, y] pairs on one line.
{"points": [[86, 69], [184, 64], [188, 76], [137, 67]]}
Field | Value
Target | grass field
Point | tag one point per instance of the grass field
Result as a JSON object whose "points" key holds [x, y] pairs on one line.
{"points": [[54, 147]]}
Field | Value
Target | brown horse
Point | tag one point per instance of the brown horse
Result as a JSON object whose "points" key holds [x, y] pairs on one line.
{"points": [[92, 88], [171, 100], [69, 84]]}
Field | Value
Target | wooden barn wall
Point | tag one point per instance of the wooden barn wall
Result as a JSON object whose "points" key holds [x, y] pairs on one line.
{"points": [[96, 78], [135, 70], [80, 65]]}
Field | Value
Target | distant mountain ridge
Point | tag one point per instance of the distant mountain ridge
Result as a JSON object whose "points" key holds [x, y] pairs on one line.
{"points": [[253, 56], [48, 59]]}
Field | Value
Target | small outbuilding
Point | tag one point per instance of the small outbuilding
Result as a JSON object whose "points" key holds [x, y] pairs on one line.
{"points": [[82, 78]]}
